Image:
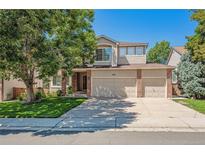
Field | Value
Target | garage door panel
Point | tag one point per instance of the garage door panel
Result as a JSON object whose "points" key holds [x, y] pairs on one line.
{"points": [[125, 87], [154, 87], [102, 88], [114, 87]]}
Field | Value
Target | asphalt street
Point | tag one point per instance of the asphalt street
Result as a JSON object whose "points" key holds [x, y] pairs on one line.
{"points": [[12, 137]]}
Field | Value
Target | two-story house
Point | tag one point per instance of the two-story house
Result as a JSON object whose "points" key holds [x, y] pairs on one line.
{"points": [[119, 70]]}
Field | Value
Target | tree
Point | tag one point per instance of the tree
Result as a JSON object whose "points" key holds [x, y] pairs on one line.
{"points": [[191, 77], [25, 51], [159, 53], [88, 48], [74, 39], [196, 43]]}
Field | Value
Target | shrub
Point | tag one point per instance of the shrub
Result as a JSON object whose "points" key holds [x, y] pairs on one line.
{"points": [[70, 90], [38, 95], [59, 93], [22, 97], [191, 77], [51, 94]]}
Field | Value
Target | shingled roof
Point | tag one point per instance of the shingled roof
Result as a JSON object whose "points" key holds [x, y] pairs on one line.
{"points": [[180, 49], [122, 43]]}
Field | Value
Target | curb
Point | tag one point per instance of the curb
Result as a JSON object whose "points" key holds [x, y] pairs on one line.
{"points": [[136, 129]]}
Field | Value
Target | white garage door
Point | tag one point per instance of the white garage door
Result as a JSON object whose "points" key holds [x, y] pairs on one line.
{"points": [[114, 87], [154, 87]]}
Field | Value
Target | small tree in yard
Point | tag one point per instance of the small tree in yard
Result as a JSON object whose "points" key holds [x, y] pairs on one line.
{"points": [[159, 53], [25, 47], [191, 77]]}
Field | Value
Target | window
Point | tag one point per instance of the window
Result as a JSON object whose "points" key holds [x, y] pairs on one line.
{"points": [[104, 54], [56, 80], [174, 77], [139, 50], [123, 51], [131, 50], [99, 55]]}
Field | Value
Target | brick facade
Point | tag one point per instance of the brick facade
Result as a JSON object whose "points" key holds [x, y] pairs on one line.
{"points": [[18, 91], [88, 83], [139, 84], [169, 83], [74, 82]]}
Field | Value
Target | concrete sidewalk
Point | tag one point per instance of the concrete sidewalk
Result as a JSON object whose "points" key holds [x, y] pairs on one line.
{"points": [[119, 115], [107, 124]]}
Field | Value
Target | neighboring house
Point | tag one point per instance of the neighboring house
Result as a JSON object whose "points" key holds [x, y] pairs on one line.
{"points": [[119, 70], [9, 89], [173, 60]]}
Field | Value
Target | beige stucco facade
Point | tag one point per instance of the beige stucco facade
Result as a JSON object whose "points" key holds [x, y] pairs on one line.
{"points": [[132, 59], [116, 59]]}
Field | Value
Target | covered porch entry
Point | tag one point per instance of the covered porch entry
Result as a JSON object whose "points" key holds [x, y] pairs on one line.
{"points": [[81, 82]]}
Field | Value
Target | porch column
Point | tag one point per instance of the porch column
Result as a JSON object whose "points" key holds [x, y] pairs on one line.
{"points": [[88, 82], [169, 83], [139, 83], [63, 83], [1, 90], [74, 82]]}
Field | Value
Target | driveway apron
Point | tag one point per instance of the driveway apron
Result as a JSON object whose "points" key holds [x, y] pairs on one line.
{"points": [[132, 113]]}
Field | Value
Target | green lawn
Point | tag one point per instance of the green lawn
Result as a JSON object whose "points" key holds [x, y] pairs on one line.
{"points": [[47, 108], [198, 105]]}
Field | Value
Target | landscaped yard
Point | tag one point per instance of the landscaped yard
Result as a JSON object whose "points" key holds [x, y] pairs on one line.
{"points": [[47, 108], [198, 105]]}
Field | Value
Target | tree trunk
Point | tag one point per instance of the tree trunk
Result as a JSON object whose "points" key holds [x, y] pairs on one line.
{"points": [[30, 93], [64, 83]]}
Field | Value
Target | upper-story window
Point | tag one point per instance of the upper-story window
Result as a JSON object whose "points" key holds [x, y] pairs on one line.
{"points": [[104, 54], [123, 51], [131, 50], [139, 50]]}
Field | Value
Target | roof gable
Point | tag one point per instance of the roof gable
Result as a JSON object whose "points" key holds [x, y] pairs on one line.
{"points": [[107, 38], [179, 49]]}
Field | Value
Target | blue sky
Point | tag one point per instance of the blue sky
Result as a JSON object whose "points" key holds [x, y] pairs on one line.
{"points": [[149, 26]]}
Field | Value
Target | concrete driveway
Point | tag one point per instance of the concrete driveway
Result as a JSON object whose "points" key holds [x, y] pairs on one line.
{"points": [[132, 113]]}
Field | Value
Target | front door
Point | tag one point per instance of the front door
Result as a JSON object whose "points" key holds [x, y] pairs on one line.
{"points": [[84, 82]]}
